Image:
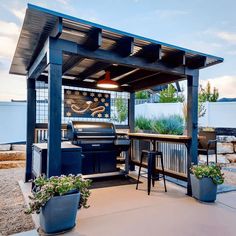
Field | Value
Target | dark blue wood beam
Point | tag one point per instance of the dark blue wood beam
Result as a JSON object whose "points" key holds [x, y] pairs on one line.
{"points": [[30, 126], [114, 58], [192, 123], [131, 123], [40, 63], [57, 30]]}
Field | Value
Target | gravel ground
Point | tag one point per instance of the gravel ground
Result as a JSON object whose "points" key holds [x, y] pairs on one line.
{"points": [[12, 205]]}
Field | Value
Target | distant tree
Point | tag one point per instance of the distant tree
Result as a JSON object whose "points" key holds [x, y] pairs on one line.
{"points": [[142, 95], [206, 95], [170, 95]]}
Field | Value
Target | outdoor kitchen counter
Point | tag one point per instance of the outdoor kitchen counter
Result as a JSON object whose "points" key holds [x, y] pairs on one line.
{"points": [[161, 137]]}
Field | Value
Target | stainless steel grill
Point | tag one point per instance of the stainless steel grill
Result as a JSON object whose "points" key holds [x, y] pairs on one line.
{"points": [[100, 145]]}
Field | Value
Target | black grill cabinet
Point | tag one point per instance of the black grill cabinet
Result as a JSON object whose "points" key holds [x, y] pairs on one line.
{"points": [[71, 159]]}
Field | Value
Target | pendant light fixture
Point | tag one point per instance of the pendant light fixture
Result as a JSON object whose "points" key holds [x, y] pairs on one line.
{"points": [[107, 82]]}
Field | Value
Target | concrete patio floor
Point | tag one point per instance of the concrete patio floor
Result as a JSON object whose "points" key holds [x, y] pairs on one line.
{"points": [[123, 210]]}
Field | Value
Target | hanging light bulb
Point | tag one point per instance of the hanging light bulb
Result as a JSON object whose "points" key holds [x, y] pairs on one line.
{"points": [[107, 82]]}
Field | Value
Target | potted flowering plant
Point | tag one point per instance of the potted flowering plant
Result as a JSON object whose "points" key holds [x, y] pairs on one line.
{"points": [[57, 199], [204, 181]]}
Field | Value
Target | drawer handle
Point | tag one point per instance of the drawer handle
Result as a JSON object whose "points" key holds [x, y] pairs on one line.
{"points": [[96, 145]]}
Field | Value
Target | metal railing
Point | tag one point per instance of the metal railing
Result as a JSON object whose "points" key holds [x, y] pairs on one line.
{"points": [[41, 134]]}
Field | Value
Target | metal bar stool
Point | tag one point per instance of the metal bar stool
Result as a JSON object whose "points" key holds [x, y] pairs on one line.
{"points": [[151, 155]]}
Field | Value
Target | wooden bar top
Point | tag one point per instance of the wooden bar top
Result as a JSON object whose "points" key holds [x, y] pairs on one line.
{"points": [[160, 137]]}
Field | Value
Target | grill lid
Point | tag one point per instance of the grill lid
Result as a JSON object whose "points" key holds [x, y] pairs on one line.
{"points": [[84, 129]]}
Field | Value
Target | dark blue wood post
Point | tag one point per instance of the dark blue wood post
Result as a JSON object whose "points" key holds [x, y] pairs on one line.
{"points": [[54, 112], [30, 126], [192, 124], [131, 120]]}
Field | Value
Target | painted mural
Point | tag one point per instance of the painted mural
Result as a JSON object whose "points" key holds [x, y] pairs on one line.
{"points": [[86, 104]]}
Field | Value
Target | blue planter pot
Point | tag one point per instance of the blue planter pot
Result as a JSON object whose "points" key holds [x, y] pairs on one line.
{"points": [[203, 189], [59, 213]]}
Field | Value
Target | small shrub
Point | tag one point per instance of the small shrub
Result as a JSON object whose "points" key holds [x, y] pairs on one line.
{"points": [[122, 109], [213, 172], [168, 125], [57, 186], [142, 123]]}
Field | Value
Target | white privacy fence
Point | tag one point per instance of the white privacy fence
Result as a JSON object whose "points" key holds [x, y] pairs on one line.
{"points": [[12, 122], [218, 114]]}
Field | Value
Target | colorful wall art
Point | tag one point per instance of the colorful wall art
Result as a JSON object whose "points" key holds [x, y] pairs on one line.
{"points": [[86, 104]]}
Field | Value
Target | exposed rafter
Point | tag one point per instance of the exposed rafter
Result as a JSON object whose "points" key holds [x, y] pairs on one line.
{"points": [[81, 84], [196, 62], [123, 47], [137, 75], [174, 59], [95, 68], [70, 63], [151, 52], [154, 80], [92, 42]]}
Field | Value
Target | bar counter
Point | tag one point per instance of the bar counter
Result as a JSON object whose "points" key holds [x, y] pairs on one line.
{"points": [[161, 137], [154, 139]]}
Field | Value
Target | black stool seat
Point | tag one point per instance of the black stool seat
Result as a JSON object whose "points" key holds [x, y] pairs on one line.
{"points": [[152, 156]]}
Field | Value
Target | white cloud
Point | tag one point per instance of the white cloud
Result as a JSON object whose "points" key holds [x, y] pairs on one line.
{"points": [[169, 13], [229, 37], [225, 84], [9, 33], [9, 28], [20, 14], [64, 2], [7, 47], [12, 86]]}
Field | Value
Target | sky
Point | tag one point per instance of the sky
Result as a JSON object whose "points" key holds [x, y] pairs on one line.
{"points": [[207, 26]]}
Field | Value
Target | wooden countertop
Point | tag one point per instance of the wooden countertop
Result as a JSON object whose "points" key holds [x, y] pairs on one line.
{"points": [[160, 137]]}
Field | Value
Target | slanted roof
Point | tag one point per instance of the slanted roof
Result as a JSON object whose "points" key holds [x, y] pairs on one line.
{"points": [[39, 24]]}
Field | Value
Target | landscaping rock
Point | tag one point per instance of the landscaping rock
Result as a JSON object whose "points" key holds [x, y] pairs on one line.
{"points": [[226, 139], [11, 164], [5, 147], [18, 147], [231, 158], [224, 148], [12, 156], [234, 144], [221, 159]]}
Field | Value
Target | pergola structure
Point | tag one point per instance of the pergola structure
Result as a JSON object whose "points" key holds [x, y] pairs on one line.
{"points": [[64, 50]]}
